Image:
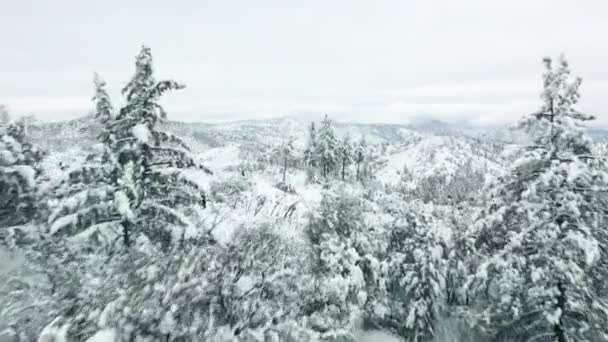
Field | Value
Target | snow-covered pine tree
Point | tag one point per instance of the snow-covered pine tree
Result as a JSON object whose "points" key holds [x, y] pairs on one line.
{"points": [[152, 198], [345, 154], [83, 207], [310, 159], [153, 187], [137, 181], [359, 155], [337, 236], [286, 152], [327, 147], [5, 117], [412, 279], [103, 105], [459, 252], [424, 283], [539, 234], [86, 199], [19, 170]]}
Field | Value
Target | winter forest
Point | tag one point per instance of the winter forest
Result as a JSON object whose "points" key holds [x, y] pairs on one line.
{"points": [[128, 226]]}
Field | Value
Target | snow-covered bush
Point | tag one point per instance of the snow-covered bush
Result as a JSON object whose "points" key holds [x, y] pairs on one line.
{"points": [[410, 280], [156, 295], [19, 170], [229, 190], [248, 286], [260, 279], [338, 239]]}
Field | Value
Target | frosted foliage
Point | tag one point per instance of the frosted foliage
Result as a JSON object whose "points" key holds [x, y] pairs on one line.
{"points": [[340, 242], [326, 147], [141, 133], [410, 294], [247, 286]]}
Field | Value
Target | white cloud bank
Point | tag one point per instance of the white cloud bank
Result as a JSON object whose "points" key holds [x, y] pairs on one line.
{"points": [[387, 61]]}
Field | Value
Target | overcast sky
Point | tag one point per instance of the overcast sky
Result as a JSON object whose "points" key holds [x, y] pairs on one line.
{"points": [[380, 61]]}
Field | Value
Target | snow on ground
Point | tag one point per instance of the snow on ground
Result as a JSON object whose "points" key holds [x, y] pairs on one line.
{"points": [[54, 333], [264, 203], [10, 261], [220, 157], [106, 335], [378, 336]]}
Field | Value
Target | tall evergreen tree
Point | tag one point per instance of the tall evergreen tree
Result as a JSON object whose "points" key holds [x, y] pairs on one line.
{"points": [[327, 147], [153, 186], [539, 234], [345, 153], [424, 282], [103, 105], [286, 152], [137, 186], [339, 239], [411, 278], [138, 181], [86, 199], [311, 147], [359, 155]]}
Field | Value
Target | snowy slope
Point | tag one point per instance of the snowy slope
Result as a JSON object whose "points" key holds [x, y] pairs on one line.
{"points": [[439, 155], [261, 202]]}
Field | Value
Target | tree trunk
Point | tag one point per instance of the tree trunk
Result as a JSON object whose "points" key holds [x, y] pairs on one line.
{"points": [[357, 177], [126, 226], [560, 331], [284, 169], [343, 169]]}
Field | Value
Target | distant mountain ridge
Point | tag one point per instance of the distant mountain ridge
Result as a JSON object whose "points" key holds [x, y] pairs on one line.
{"points": [[83, 131]]}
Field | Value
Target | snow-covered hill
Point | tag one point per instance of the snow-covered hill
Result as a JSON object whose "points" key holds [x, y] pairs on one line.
{"points": [[441, 155], [80, 135]]}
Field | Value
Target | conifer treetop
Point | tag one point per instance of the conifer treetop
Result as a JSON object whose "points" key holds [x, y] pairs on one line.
{"points": [[103, 106], [557, 127], [142, 91]]}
